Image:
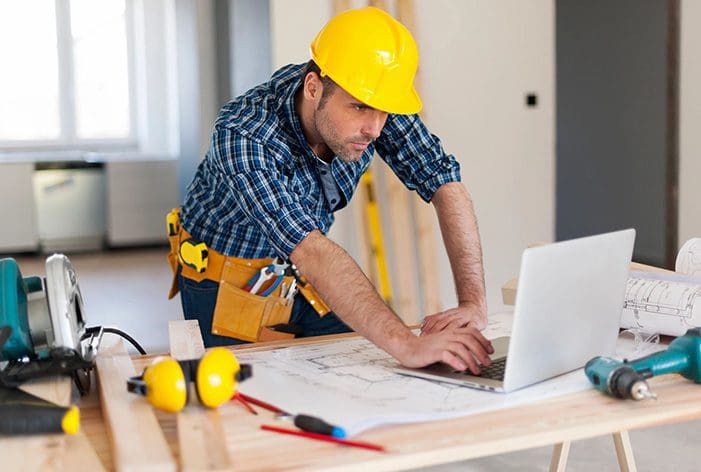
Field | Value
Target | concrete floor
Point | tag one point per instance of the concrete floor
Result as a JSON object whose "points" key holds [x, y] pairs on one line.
{"points": [[128, 289]]}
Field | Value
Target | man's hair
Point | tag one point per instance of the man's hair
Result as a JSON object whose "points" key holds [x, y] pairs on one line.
{"points": [[326, 81]]}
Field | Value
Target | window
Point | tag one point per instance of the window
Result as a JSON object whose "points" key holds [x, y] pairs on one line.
{"points": [[75, 76], [29, 78], [100, 69]]}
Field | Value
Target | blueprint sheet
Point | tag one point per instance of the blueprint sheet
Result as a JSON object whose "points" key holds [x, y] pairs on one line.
{"points": [[350, 383]]}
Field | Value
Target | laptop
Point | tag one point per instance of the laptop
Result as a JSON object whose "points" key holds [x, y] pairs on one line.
{"points": [[568, 308]]}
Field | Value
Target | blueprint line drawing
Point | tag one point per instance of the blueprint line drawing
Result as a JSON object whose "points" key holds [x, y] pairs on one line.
{"points": [[665, 304], [689, 258], [350, 383]]}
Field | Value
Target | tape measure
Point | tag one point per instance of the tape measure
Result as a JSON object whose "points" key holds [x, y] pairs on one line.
{"points": [[193, 254]]}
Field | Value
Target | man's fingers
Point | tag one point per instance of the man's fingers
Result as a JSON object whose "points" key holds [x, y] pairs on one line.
{"points": [[437, 322], [462, 358], [478, 351], [476, 334], [464, 351]]}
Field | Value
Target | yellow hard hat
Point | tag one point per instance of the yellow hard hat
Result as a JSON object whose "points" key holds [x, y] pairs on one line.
{"points": [[371, 56]]}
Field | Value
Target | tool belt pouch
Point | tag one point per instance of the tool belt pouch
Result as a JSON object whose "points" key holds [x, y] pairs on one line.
{"points": [[243, 315]]}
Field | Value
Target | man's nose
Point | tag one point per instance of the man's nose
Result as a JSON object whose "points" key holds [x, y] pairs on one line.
{"points": [[374, 124]]}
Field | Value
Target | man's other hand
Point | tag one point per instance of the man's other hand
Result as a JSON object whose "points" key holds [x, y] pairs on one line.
{"points": [[460, 347], [465, 315]]}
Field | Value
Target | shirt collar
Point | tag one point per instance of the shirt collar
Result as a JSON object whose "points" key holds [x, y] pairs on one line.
{"points": [[291, 112]]}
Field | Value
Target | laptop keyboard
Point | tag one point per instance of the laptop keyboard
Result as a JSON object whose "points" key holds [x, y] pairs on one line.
{"points": [[494, 371]]}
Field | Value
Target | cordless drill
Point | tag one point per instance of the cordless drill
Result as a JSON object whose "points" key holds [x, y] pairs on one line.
{"points": [[627, 379]]}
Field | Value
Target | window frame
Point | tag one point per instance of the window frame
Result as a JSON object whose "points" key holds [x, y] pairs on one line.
{"points": [[68, 140]]}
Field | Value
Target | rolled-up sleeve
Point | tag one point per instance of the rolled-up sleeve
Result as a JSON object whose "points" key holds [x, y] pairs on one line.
{"points": [[416, 156]]}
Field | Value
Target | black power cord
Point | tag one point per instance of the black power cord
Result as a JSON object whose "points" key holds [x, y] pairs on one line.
{"points": [[121, 333]]}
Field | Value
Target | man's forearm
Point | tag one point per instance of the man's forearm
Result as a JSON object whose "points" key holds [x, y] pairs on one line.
{"points": [[456, 216], [344, 287]]}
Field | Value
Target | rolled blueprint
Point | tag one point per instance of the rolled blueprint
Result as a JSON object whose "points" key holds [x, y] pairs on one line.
{"points": [[689, 258], [662, 303]]}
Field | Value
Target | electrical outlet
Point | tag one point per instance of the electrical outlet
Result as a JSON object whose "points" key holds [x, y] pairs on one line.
{"points": [[531, 100]]}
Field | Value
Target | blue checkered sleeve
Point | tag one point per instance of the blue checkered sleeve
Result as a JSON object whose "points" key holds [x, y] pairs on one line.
{"points": [[416, 155], [255, 185]]}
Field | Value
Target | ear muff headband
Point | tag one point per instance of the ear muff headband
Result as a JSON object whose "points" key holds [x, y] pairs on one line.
{"points": [[216, 377]]}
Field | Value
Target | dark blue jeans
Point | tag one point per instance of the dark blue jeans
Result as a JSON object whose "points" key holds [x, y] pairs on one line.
{"points": [[199, 298]]}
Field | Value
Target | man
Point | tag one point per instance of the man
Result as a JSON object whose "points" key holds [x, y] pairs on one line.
{"points": [[285, 156]]}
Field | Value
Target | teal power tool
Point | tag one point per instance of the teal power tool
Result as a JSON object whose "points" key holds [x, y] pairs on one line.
{"points": [[627, 379], [42, 325]]}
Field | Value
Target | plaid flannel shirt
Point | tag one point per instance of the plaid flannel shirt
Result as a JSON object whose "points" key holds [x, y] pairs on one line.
{"points": [[257, 192]]}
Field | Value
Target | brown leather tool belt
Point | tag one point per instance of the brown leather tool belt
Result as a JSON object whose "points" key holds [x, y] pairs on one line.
{"points": [[238, 313]]}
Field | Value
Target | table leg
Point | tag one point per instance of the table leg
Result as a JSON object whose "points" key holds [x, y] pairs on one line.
{"points": [[558, 462], [624, 452]]}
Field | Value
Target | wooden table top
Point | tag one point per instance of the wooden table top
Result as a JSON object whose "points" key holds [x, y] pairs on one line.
{"points": [[567, 418]]}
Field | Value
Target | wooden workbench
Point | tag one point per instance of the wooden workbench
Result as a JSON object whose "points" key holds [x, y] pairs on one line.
{"points": [[568, 418]]}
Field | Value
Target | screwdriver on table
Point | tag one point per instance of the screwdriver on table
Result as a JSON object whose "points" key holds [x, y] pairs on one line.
{"points": [[308, 423], [313, 424], [23, 413]]}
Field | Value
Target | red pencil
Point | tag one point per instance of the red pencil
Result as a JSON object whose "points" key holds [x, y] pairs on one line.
{"points": [[322, 437], [260, 403], [239, 397]]}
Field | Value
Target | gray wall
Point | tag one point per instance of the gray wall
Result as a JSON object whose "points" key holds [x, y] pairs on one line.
{"points": [[611, 120]]}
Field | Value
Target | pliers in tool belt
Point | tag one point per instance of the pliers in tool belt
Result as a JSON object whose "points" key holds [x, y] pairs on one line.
{"points": [[262, 276]]}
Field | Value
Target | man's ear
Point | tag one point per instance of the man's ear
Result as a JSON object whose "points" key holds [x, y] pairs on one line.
{"points": [[312, 86]]}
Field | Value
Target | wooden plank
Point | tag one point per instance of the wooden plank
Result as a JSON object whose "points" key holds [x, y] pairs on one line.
{"points": [[340, 6], [357, 205], [49, 452], [137, 439], [382, 4], [405, 267], [55, 389], [424, 220], [201, 438], [185, 339], [396, 201]]}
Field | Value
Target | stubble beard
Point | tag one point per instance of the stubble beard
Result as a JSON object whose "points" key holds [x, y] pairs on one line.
{"points": [[332, 140]]}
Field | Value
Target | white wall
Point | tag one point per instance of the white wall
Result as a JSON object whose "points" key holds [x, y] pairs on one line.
{"points": [[690, 122], [293, 26], [478, 60]]}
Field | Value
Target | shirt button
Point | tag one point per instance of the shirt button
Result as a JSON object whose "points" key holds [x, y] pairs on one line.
{"points": [[323, 172], [333, 201]]}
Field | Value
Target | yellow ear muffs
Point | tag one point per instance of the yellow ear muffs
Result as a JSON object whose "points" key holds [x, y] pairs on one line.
{"points": [[216, 377], [163, 383]]}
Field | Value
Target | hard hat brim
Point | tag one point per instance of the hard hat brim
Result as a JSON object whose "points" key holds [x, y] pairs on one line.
{"points": [[406, 104]]}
